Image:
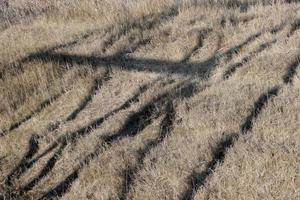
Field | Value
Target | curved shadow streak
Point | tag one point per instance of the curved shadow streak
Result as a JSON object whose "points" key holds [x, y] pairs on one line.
{"points": [[201, 35], [33, 147], [147, 22], [294, 28], [165, 128], [197, 179], [231, 69], [40, 108], [98, 83], [292, 71]]}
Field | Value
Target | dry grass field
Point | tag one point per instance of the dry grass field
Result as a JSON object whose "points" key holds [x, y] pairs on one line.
{"points": [[152, 99]]}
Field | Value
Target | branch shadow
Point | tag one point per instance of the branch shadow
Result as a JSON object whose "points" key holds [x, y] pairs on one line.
{"points": [[135, 124], [198, 179], [295, 26], [62, 142], [231, 69], [40, 108], [33, 147], [166, 127], [98, 82], [201, 68]]}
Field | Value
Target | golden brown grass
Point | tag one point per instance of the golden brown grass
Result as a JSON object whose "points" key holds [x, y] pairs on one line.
{"points": [[159, 99]]}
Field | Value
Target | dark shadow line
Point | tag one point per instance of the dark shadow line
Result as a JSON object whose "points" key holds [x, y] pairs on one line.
{"points": [[98, 83], [138, 121], [40, 108], [45, 171], [196, 179], [161, 17], [96, 123], [33, 147], [292, 71], [201, 35], [295, 26], [229, 54], [64, 186], [231, 69], [258, 106], [166, 127], [145, 23]]}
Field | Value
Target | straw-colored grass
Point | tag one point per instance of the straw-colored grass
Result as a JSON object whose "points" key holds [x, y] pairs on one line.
{"points": [[154, 99]]}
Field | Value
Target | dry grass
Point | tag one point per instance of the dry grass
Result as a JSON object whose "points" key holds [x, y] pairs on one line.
{"points": [[159, 99]]}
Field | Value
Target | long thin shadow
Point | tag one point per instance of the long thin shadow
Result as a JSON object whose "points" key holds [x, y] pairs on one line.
{"points": [[96, 123], [292, 71], [135, 124], [40, 108], [201, 35], [17, 67], [26, 163], [259, 105], [33, 147], [197, 180], [98, 83], [229, 54], [229, 72], [294, 28], [45, 170], [165, 129], [64, 186]]}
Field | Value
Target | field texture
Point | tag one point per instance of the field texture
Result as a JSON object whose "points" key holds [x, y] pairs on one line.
{"points": [[152, 99]]}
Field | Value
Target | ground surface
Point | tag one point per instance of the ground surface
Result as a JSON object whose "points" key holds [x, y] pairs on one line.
{"points": [[158, 99]]}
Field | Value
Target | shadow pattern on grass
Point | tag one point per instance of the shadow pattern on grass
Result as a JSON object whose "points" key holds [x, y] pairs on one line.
{"points": [[135, 124], [70, 138], [231, 69], [40, 108], [198, 179]]}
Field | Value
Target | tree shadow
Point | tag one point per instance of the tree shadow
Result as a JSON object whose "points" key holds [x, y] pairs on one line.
{"points": [[201, 68], [133, 125], [70, 138]]}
